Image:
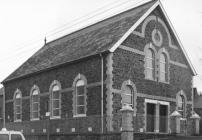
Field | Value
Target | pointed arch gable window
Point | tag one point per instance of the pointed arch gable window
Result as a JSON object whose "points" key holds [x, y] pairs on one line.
{"points": [[150, 64], [34, 103], [55, 100], [18, 106], [79, 96], [163, 68]]}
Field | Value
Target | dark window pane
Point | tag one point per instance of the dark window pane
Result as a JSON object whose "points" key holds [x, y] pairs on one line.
{"points": [[163, 124], [56, 95], [35, 98], [35, 115], [150, 117], [18, 116], [17, 102], [18, 109], [80, 90], [56, 112], [56, 103], [35, 107], [80, 100], [80, 110]]}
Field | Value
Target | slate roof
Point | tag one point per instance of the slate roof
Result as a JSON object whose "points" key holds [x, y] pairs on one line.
{"points": [[94, 39]]}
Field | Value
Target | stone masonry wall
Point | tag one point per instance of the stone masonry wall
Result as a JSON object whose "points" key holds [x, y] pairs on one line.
{"points": [[90, 68], [130, 65]]}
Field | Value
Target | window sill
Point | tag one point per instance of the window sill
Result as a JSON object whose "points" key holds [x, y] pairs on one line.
{"points": [[150, 79], [156, 132], [18, 121], [79, 115], [36, 119], [164, 82], [55, 117]]}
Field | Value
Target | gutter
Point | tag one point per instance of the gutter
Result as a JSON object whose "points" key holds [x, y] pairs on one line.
{"points": [[54, 67]]}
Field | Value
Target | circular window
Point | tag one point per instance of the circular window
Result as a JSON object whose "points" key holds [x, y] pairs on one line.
{"points": [[157, 37]]}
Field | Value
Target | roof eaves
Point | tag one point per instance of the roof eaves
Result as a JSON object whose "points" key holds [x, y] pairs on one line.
{"points": [[178, 39], [58, 65]]}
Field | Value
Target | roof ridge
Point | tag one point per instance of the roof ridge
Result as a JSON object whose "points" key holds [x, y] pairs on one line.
{"points": [[98, 37], [100, 20]]}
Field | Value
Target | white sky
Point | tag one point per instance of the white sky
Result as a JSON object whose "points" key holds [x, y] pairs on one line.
{"points": [[25, 23]]}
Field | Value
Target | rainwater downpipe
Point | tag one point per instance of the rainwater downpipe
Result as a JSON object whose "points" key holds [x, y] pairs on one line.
{"points": [[102, 85], [192, 91], [4, 109]]}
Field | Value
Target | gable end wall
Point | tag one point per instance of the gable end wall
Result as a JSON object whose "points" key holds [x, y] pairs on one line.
{"points": [[129, 64]]}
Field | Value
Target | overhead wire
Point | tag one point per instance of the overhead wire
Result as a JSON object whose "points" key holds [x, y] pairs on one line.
{"points": [[92, 16], [62, 26], [50, 33], [73, 24]]}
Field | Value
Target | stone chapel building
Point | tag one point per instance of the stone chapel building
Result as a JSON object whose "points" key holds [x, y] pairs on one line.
{"points": [[84, 78]]}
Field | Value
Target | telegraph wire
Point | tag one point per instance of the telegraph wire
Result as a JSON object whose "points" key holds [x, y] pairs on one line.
{"points": [[73, 24], [62, 26], [92, 16], [86, 15]]}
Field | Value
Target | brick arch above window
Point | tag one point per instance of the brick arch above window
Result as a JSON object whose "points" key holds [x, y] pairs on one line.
{"points": [[165, 53], [79, 91], [160, 21], [34, 87], [78, 77], [150, 72], [17, 91], [125, 85], [55, 82]]}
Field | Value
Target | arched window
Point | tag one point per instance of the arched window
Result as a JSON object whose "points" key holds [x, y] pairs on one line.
{"points": [[17, 106], [129, 94], [181, 105], [34, 103], [163, 68], [150, 64], [80, 97], [127, 98], [55, 100]]}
